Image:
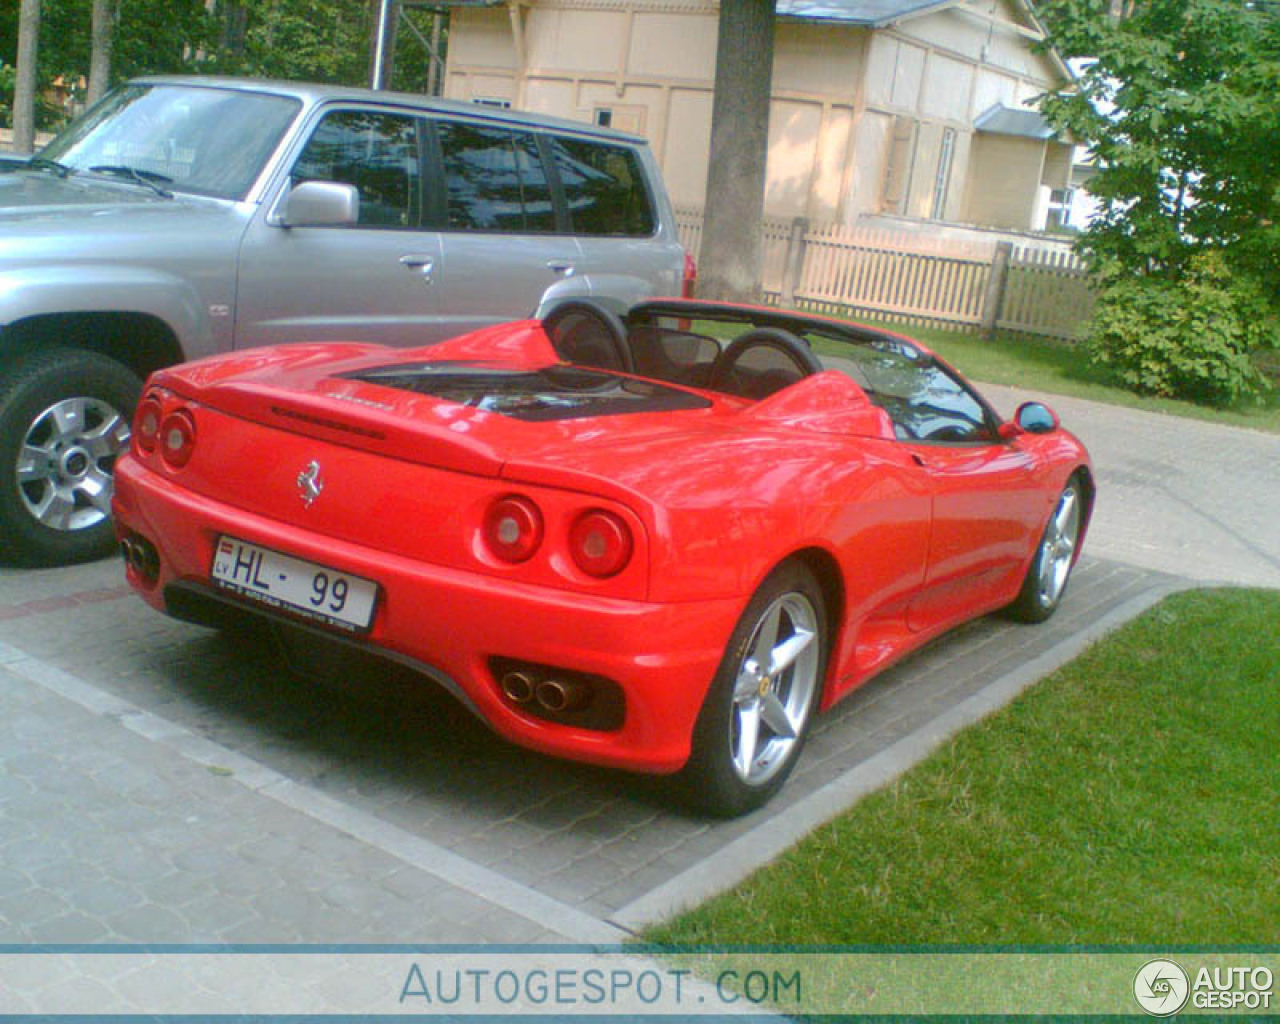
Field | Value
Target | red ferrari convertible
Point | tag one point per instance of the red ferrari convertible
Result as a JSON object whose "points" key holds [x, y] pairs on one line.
{"points": [[662, 542]]}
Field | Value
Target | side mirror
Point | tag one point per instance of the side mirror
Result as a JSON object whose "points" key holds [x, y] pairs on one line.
{"points": [[1031, 418], [321, 204]]}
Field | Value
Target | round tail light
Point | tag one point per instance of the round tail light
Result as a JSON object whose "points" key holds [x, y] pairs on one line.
{"points": [[177, 438], [513, 528], [146, 424], [600, 543]]}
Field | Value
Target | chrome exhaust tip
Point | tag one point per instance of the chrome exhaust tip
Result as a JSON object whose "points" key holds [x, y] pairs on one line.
{"points": [[561, 695], [517, 687]]}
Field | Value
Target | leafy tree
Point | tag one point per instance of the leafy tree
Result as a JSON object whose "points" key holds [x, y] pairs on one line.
{"points": [[150, 37], [1179, 108], [311, 40]]}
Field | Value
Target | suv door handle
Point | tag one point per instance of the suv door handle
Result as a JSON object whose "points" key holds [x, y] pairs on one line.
{"points": [[564, 268], [419, 262]]}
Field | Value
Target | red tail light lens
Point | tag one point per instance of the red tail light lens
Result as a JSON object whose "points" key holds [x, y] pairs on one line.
{"points": [[600, 543], [146, 424], [177, 438], [513, 528]]}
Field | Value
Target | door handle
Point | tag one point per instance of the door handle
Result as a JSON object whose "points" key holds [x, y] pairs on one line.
{"points": [[418, 261], [564, 268]]}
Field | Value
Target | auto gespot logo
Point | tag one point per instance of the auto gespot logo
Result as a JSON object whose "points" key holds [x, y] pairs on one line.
{"points": [[1162, 988]]}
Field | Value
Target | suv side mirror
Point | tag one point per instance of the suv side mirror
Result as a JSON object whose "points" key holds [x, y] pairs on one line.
{"points": [[321, 204]]}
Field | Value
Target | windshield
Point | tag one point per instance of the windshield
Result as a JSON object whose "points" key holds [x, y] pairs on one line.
{"points": [[209, 141]]}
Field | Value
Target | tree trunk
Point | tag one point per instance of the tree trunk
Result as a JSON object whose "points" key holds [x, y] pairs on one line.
{"points": [[235, 28], [732, 255], [24, 89], [102, 36]]}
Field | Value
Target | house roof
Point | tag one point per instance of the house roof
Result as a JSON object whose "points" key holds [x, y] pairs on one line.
{"points": [[872, 13], [1002, 120]]}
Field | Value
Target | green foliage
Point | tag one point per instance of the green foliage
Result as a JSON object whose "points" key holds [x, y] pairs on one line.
{"points": [[1188, 336], [1179, 110], [7, 75], [151, 37], [299, 40]]}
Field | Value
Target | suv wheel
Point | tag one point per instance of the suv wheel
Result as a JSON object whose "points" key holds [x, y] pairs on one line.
{"points": [[64, 417]]}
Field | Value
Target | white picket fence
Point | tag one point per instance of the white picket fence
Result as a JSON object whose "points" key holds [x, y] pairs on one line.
{"points": [[883, 274]]}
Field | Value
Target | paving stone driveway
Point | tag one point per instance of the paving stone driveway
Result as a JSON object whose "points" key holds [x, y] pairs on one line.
{"points": [[165, 783]]}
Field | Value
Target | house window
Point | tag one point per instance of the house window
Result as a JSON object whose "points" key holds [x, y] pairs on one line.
{"points": [[623, 118], [1059, 208], [942, 180], [897, 172]]}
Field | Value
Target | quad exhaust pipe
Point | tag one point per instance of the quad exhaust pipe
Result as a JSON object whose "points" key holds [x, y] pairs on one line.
{"points": [[141, 556], [557, 696], [561, 695], [518, 687]]}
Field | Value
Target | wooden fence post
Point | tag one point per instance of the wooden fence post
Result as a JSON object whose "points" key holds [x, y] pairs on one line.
{"points": [[996, 284], [793, 267]]}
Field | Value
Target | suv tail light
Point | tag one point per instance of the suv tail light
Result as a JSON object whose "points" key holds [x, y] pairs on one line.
{"points": [[600, 543], [690, 279], [177, 438], [513, 528]]}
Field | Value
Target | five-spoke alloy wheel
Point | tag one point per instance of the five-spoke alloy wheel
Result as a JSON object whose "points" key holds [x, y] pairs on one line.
{"points": [[1046, 579], [757, 712]]}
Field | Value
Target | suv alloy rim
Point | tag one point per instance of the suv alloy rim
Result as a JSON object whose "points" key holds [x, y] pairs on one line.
{"points": [[64, 466]]}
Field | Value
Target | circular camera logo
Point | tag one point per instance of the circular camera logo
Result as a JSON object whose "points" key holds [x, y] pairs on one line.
{"points": [[1161, 987]]}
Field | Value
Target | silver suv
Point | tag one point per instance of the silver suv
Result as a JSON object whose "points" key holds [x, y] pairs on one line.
{"points": [[185, 216]]}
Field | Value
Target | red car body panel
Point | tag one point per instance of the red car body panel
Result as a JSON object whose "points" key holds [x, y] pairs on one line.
{"points": [[911, 538]]}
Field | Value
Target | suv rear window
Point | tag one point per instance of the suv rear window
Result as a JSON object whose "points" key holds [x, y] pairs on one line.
{"points": [[604, 188]]}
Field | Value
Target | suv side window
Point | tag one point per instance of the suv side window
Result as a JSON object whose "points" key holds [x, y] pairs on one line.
{"points": [[378, 154], [604, 188], [494, 179]]}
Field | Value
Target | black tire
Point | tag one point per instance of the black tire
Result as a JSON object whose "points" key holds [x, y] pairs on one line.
{"points": [[1047, 576], [713, 781], [55, 507]]}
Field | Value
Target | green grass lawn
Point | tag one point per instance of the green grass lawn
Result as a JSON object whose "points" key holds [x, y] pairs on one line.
{"points": [[1130, 798], [1042, 364]]}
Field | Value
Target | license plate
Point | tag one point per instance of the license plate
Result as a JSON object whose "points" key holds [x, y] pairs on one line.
{"points": [[281, 581]]}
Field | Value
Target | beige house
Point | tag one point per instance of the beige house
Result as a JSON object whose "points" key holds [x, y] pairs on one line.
{"points": [[911, 108]]}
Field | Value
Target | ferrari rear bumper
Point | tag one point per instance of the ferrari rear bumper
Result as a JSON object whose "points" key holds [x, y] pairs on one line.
{"points": [[452, 625]]}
